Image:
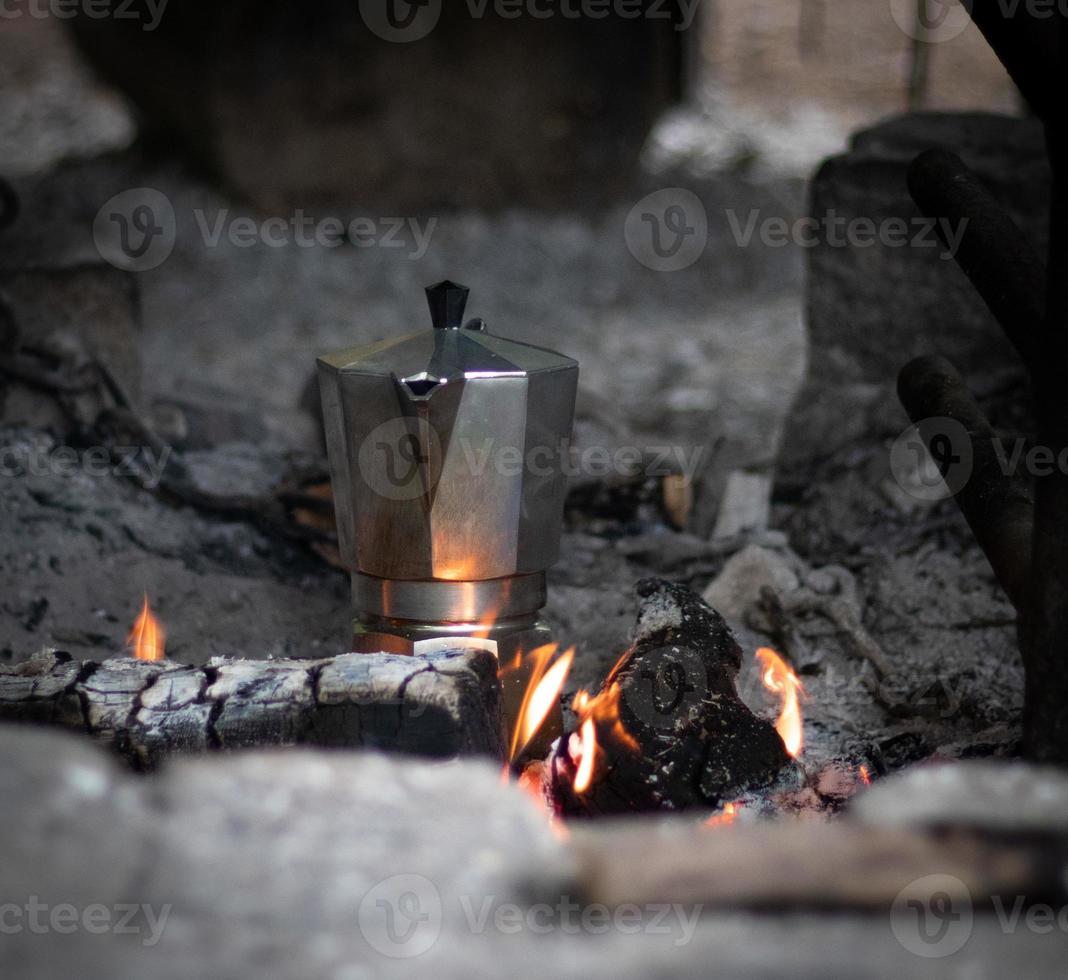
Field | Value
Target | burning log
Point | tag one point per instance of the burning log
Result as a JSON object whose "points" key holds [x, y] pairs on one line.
{"points": [[667, 730], [440, 705]]}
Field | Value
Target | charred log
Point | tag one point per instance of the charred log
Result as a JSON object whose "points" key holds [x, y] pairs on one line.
{"points": [[678, 736]]}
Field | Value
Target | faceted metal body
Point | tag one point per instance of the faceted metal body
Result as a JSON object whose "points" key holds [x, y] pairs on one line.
{"points": [[447, 451]]}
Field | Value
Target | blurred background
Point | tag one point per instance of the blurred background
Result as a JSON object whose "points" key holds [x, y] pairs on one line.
{"points": [[203, 198]]}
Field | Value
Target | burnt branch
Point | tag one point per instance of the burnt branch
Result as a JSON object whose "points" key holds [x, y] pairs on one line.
{"points": [[998, 508], [1025, 543], [993, 252]]}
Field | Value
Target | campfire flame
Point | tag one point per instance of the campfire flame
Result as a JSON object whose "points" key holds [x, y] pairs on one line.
{"points": [[147, 638], [544, 688], [781, 680], [725, 817], [586, 753], [598, 717]]}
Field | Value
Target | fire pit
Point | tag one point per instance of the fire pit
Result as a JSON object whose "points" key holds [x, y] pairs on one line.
{"points": [[430, 656]]}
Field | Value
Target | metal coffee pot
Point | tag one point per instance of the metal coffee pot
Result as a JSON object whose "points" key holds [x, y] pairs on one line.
{"points": [[447, 455]]}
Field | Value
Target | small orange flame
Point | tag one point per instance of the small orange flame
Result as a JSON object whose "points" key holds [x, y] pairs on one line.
{"points": [[147, 637], [542, 691], [780, 679], [865, 778], [600, 711], [725, 817], [586, 753]]}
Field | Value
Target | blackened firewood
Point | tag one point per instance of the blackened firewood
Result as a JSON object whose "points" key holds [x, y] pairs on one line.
{"points": [[993, 252], [998, 507], [683, 738]]}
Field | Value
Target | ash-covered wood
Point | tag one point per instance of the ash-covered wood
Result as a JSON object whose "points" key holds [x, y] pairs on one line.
{"points": [[687, 739], [442, 705]]}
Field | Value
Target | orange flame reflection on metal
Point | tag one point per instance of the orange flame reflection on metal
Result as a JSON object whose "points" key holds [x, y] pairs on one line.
{"points": [[781, 680], [147, 638]]}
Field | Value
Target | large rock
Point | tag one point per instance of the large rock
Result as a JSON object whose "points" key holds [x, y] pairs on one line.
{"points": [[872, 308]]}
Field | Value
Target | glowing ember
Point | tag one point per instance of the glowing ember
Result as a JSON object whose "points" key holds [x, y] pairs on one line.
{"points": [[725, 817], [147, 637], [541, 694], [781, 680]]}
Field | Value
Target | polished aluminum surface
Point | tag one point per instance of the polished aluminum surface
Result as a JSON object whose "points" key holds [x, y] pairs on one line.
{"points": [[449, 602], [447, 450]]}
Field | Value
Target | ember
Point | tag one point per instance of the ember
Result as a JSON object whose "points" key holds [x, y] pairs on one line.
{"points": [[725, 817]]}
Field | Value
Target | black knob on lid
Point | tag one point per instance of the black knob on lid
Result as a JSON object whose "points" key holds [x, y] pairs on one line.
{"points": [[447, 301]]}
